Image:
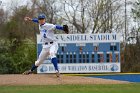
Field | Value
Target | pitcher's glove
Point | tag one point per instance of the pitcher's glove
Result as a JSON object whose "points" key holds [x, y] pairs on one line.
{"points": [[66, 29]]}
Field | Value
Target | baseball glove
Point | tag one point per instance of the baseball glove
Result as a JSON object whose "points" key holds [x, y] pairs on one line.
{"points": [[66, 29]]}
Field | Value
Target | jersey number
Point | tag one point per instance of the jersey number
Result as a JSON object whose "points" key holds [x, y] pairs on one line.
{"points": [[44, 35]]}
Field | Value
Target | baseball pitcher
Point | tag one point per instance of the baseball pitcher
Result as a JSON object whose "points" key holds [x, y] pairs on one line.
{"points": [[49, 44]]}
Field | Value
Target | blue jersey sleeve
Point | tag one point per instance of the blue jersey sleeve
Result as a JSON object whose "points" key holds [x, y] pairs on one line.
{"points": [[59, 27], [35, 20]]}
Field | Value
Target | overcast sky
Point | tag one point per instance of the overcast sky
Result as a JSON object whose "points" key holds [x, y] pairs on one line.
{"points": [[6, 4]]}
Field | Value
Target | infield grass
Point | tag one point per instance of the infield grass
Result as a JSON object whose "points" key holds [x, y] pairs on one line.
{"points": [[115, 88]]}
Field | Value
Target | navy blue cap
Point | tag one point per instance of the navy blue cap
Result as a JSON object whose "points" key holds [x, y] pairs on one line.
{"points": [[41, 16]]}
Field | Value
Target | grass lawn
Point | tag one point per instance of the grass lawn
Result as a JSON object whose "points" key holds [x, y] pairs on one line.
{"points": [[119, 88]]}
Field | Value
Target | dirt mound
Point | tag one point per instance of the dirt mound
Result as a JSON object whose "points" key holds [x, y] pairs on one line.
{"points": [[49, 79]]}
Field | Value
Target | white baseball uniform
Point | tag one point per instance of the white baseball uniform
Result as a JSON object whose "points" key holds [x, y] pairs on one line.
{"points": [[49, 44]]}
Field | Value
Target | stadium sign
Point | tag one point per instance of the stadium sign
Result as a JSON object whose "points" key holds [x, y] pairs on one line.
{"points": [[84, 53]]}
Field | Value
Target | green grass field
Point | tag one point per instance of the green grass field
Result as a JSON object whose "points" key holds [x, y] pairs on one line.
{"points": [[120, 88]]}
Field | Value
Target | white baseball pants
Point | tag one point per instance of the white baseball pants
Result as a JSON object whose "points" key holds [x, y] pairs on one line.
{"points": [[48, 50]]}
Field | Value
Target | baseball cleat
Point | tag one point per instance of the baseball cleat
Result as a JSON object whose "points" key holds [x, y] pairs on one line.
{"points": [[27, 72], [57, 74]]}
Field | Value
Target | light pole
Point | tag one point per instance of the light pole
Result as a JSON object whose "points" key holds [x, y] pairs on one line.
{"points": [[125, 29], [125, 21], [0, 2]]}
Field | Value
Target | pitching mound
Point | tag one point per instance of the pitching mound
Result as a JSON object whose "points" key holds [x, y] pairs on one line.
{"points": [[47, 79]]}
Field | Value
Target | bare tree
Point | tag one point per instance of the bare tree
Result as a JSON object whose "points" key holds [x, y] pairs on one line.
{"points": [[95, 15], [49, 7], [83, 16], [74, 12], [1, 16]]}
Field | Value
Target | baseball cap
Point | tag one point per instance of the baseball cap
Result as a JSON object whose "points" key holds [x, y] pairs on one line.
{"points": [[41, 16]]}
